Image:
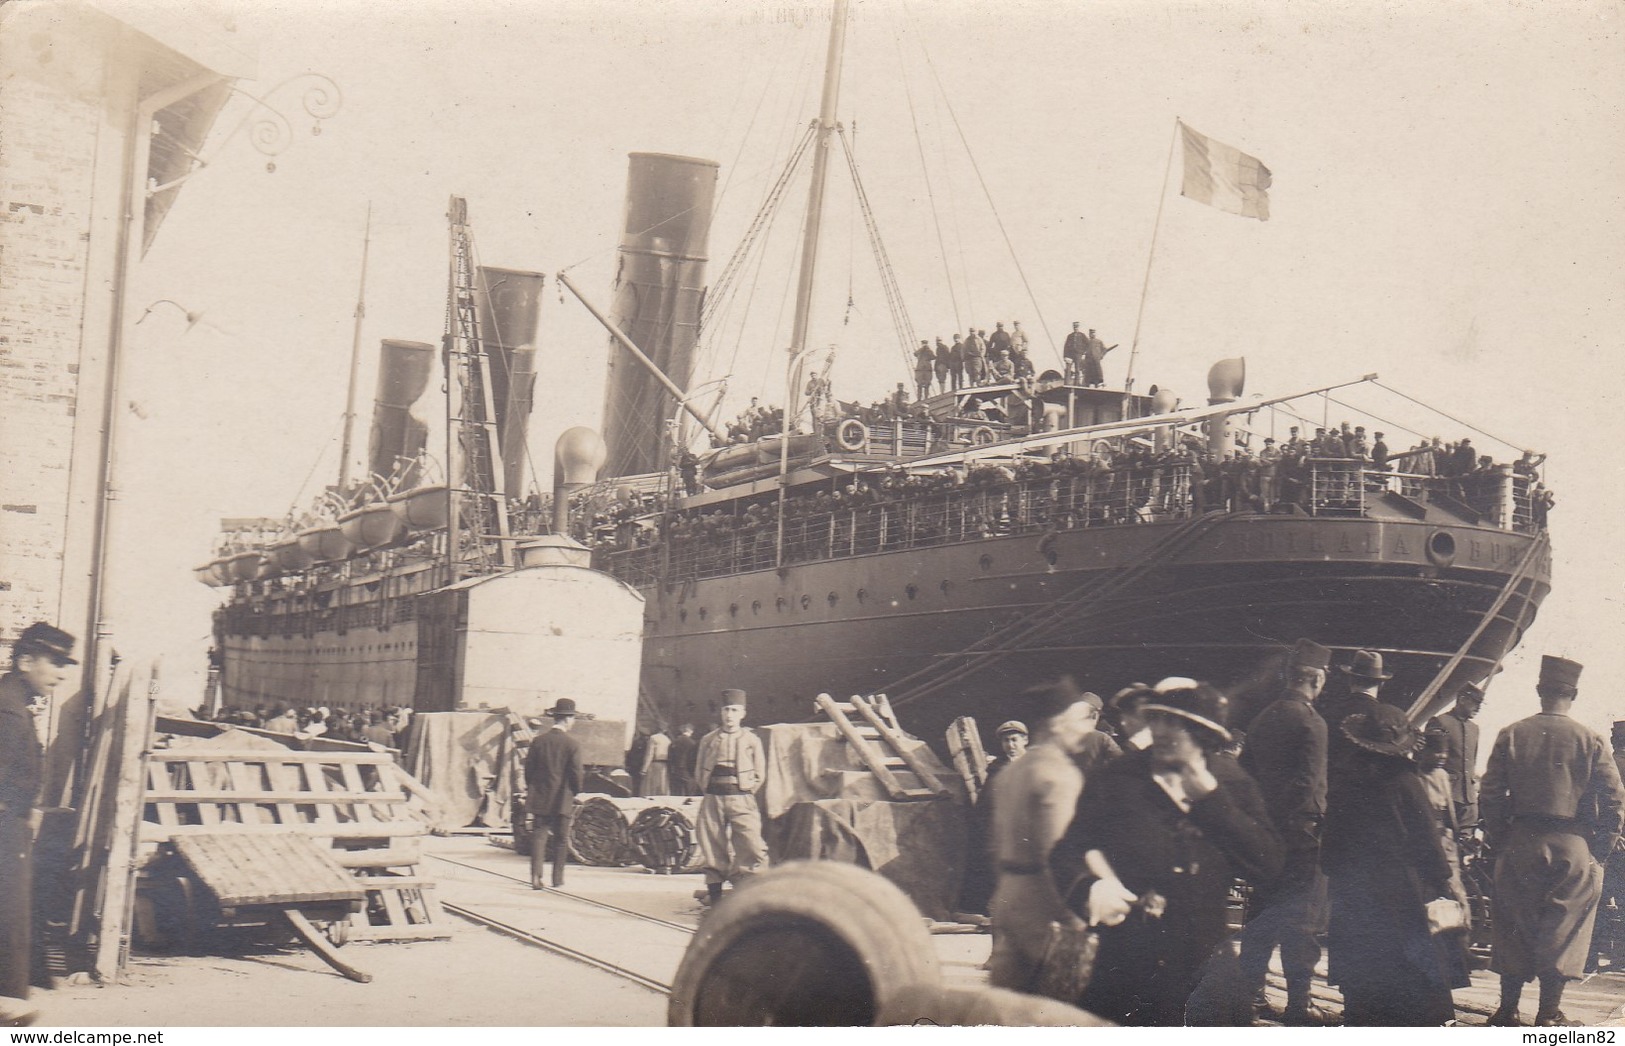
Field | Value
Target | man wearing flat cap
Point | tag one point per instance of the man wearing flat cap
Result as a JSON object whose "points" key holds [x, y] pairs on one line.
{"points": [[1553, 810], [1033, 800], [39, 660], [1286, 756], [729, 770], [553, 775]]}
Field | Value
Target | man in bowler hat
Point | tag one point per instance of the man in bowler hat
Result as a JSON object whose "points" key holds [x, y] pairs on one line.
{"points": [[39, 661], [1553, 808], [553, 776], [1286, 755], [729, 771]]}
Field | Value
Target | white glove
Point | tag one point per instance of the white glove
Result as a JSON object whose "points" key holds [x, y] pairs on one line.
{"points": [[1109, 902]]}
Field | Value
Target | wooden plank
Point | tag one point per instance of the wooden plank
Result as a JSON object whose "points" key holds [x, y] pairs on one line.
{"points": [[283, 777], [395, 882], [166, 813], [208, 811], [389, 830], [319, 944], [899, 744], [316, 781], [394, 906], [379, 857], [245, 869], [309, 798], [865, 750], [417, 932], [127, 815], [260, 755], [245, 782]]}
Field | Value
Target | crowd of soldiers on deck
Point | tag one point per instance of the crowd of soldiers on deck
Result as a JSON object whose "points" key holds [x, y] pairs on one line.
{"points": [[1117, 482], [1136, 819]]}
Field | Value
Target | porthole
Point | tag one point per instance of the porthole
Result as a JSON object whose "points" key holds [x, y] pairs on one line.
{"points": [[781, 604], [1442, 547], [704, 613], [912, 591], [756, 606], [863, 595], [733, 609], [806, 602], [833, 599], [987, 562], [682, 615], [945, 585], [1052, 556]]}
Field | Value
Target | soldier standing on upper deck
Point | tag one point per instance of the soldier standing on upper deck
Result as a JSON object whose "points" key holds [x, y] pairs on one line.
{"points": [[1073, 350], [1094, 353], [1553, 808], [729, 825], [38, 660]]}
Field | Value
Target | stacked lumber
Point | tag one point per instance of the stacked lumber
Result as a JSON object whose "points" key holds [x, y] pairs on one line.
{"points": [[359, 804]]}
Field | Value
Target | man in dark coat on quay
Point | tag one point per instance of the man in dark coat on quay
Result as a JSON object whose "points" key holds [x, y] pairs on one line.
{"points": [[1286, 755], [1361, 681], [553, 775], [1384, 864], [1553, 809], [38, 662], [1156, 839]]}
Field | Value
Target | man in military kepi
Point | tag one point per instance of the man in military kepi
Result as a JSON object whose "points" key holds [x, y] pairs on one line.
{"points": [[1553, 808], [729, 771], [1286, 755], [39, 660]]}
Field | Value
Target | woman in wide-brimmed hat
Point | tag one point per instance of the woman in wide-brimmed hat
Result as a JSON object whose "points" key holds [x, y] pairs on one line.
{"points": [[1382, 855]]}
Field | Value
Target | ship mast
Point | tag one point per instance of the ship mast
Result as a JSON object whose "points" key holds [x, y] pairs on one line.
{"points": [[820, 177], [355, 360]]}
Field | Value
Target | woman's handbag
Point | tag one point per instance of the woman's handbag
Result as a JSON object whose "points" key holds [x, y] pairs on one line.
{"points": [[1446, 914], [1068, 962]]}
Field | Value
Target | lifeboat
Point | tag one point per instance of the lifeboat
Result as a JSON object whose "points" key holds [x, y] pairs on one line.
{"points": [[423, 508], [250, 566], [372, 526], [290, 554], [214, 573], [324, 544]]}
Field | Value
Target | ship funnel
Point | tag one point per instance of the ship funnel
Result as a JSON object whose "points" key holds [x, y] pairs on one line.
{"points": [[1225, 381], [510, 303], [577, 457], [397, 430], [659, 288]]}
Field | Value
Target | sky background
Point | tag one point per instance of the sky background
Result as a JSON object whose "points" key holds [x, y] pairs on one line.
{"points": [[1449, 188]]}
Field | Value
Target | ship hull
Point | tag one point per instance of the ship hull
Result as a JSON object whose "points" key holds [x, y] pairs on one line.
{"points": [[1221, 609]]}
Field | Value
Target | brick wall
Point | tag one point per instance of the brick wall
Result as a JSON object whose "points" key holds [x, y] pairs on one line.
{"points": [[48, 142]]}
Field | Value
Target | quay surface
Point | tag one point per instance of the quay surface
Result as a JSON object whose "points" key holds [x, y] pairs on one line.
{"points": [[480, 977]]}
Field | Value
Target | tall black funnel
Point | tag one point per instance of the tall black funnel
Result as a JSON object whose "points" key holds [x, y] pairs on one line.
{"points": [[659, 287], [510, 302], [403, 376]]}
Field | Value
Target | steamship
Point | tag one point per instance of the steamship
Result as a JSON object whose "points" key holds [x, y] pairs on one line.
{"points": [[976, 561]]}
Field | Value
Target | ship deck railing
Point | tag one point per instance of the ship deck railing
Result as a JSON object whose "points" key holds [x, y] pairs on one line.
{"points": [[1324, 488]]}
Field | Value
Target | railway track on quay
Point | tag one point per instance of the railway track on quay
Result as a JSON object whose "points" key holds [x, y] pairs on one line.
{"points": [[635, 946]]}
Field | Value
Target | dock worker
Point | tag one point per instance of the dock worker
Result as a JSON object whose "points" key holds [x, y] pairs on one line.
{"points": [[1460, 735], [655, 771], [553, 775], [729, 769], [1553, 808], [39, 661], [1033, 802], [680, 760], [976, 884]]}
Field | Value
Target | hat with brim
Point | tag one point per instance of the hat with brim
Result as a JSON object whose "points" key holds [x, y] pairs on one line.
{"points": [[1367, 665], [43, 640], [565, 707], [1191, 701], [1011, 726], [1384, 731]]}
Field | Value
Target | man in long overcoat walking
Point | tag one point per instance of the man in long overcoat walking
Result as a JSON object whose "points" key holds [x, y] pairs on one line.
{"points": [[553, 776]]}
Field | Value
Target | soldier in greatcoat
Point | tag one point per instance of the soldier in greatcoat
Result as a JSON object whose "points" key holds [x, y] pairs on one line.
{"points": [[1286, 755], [1553, 808], [1032, 802], [729, 770], [1460, 735], [553, 776], [39, 660], [1608, 939]]}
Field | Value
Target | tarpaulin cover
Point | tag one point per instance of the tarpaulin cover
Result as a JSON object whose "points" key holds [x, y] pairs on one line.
{"points": [[823, 803], [462, 757], [919, 846], [809, 761]]}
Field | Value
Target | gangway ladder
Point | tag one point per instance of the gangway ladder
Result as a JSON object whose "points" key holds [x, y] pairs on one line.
{"points": [[882, 746], [970, 759]]}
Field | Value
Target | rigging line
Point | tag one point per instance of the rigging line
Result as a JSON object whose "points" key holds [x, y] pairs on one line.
{"points": [[778, 321], [919, 146], [901, 324], [998, 220], [939, 100], [1452, 417], [1145, 287], [1376, 417], [304, 484]]}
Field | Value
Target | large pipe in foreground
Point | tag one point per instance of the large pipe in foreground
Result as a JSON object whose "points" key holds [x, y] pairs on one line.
{"points": [[659, 287]]}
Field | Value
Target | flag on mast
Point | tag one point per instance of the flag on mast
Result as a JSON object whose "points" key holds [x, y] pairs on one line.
{"points": [[1224, 177]]}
